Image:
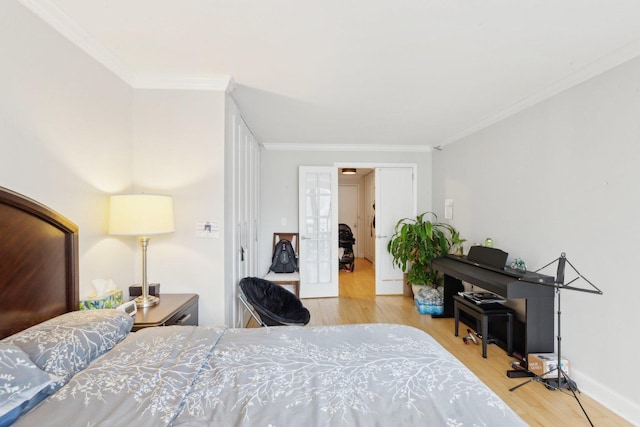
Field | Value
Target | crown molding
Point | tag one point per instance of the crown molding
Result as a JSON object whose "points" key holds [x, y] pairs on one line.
{"points": [[181, 82], [602, 65], [345, 147], [76, 34]]}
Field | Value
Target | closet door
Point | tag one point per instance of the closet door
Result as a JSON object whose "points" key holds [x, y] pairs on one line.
{"points": [[254, 204], [244, 162]]}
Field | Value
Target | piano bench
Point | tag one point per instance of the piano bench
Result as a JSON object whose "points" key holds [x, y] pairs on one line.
{"points": [[483, 313]]}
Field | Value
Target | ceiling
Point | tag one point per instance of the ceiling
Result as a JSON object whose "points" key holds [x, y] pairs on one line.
{"points": [[353, 73]]}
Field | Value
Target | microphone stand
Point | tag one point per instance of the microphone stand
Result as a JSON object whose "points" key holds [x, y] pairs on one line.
{"points": [[562, 380]]}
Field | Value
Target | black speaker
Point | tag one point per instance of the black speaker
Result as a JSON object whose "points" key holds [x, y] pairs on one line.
{"points": [[136, 290]]}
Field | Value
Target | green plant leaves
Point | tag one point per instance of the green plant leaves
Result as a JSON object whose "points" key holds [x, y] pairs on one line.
{"points": [[416, 242]]}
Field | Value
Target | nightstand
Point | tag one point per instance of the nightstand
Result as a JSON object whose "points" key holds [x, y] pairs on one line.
{"points": [[173, 309]]}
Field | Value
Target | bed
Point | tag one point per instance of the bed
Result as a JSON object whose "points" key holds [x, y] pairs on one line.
{"points": [[85, 368]]}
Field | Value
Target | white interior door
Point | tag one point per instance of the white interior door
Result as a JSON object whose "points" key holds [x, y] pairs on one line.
{"points": [[318, 228], [395, 199], [243, 154]]}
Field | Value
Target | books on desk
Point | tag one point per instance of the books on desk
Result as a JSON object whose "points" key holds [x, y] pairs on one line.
{"points": [[482, 297]]}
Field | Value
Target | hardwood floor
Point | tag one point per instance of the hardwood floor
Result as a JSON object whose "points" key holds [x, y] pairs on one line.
{"points": [[533, 402]]}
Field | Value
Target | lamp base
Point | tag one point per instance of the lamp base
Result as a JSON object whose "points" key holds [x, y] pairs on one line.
{"points": [[147, 301]]}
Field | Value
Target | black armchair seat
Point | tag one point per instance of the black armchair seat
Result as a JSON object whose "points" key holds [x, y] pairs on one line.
{"points": [[275, 305]]}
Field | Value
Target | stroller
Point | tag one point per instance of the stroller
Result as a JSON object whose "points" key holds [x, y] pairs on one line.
{"points": [[270, 304], [346, 242]]}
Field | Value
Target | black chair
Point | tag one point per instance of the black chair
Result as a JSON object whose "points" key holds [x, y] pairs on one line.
{"points": [[274, 305]]}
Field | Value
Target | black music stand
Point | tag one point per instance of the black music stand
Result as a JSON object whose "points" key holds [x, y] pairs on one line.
{"points": [[562, 380]]}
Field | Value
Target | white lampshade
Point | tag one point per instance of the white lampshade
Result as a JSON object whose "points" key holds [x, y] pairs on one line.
{"points": [[141, 214]]}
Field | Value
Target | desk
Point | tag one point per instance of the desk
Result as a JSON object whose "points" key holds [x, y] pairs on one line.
{"points": [[539, 299]]}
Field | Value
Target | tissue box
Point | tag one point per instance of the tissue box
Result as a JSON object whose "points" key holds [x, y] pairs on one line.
{"points": [[111, 300], [541, 363]]}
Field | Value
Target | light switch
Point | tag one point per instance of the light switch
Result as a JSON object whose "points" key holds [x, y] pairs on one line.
{"points": [[448, 208]]}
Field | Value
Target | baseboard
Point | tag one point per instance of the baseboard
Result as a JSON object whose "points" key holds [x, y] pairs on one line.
{"points": [[620, 405]]}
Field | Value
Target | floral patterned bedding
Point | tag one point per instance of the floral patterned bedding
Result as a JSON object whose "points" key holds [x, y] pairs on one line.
{"points": [[352, 375]]}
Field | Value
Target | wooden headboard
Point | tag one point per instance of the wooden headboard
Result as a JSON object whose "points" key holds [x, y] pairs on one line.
{"points": [[38, 263]]}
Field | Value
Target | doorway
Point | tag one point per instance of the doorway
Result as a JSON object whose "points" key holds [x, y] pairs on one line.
{"points": [[353, 211], [395, 197], [386, 193]]}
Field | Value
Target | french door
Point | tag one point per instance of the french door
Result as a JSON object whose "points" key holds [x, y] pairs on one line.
{"points": [[318, 228], [395, 198]]}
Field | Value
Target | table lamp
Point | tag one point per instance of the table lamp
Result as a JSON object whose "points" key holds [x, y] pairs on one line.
{"points": [[141, 215]]}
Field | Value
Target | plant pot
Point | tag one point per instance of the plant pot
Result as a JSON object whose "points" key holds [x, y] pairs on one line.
{"points": [[417, 241], [407, 291]]}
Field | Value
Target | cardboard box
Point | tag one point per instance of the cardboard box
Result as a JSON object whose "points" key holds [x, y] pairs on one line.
{"points": [[136, 290], [111, 300], [541, 363]]}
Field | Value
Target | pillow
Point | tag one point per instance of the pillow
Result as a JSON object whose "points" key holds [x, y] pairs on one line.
{"points": [[22, 384], [68, 343]]}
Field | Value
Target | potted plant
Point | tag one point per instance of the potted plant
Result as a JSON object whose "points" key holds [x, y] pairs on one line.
{"points": [[416, 242]]}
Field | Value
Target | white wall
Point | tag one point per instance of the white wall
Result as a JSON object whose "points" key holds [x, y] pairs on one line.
{"points": [[65, 125], [279, 185], [178, 149], [562, 176]]}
